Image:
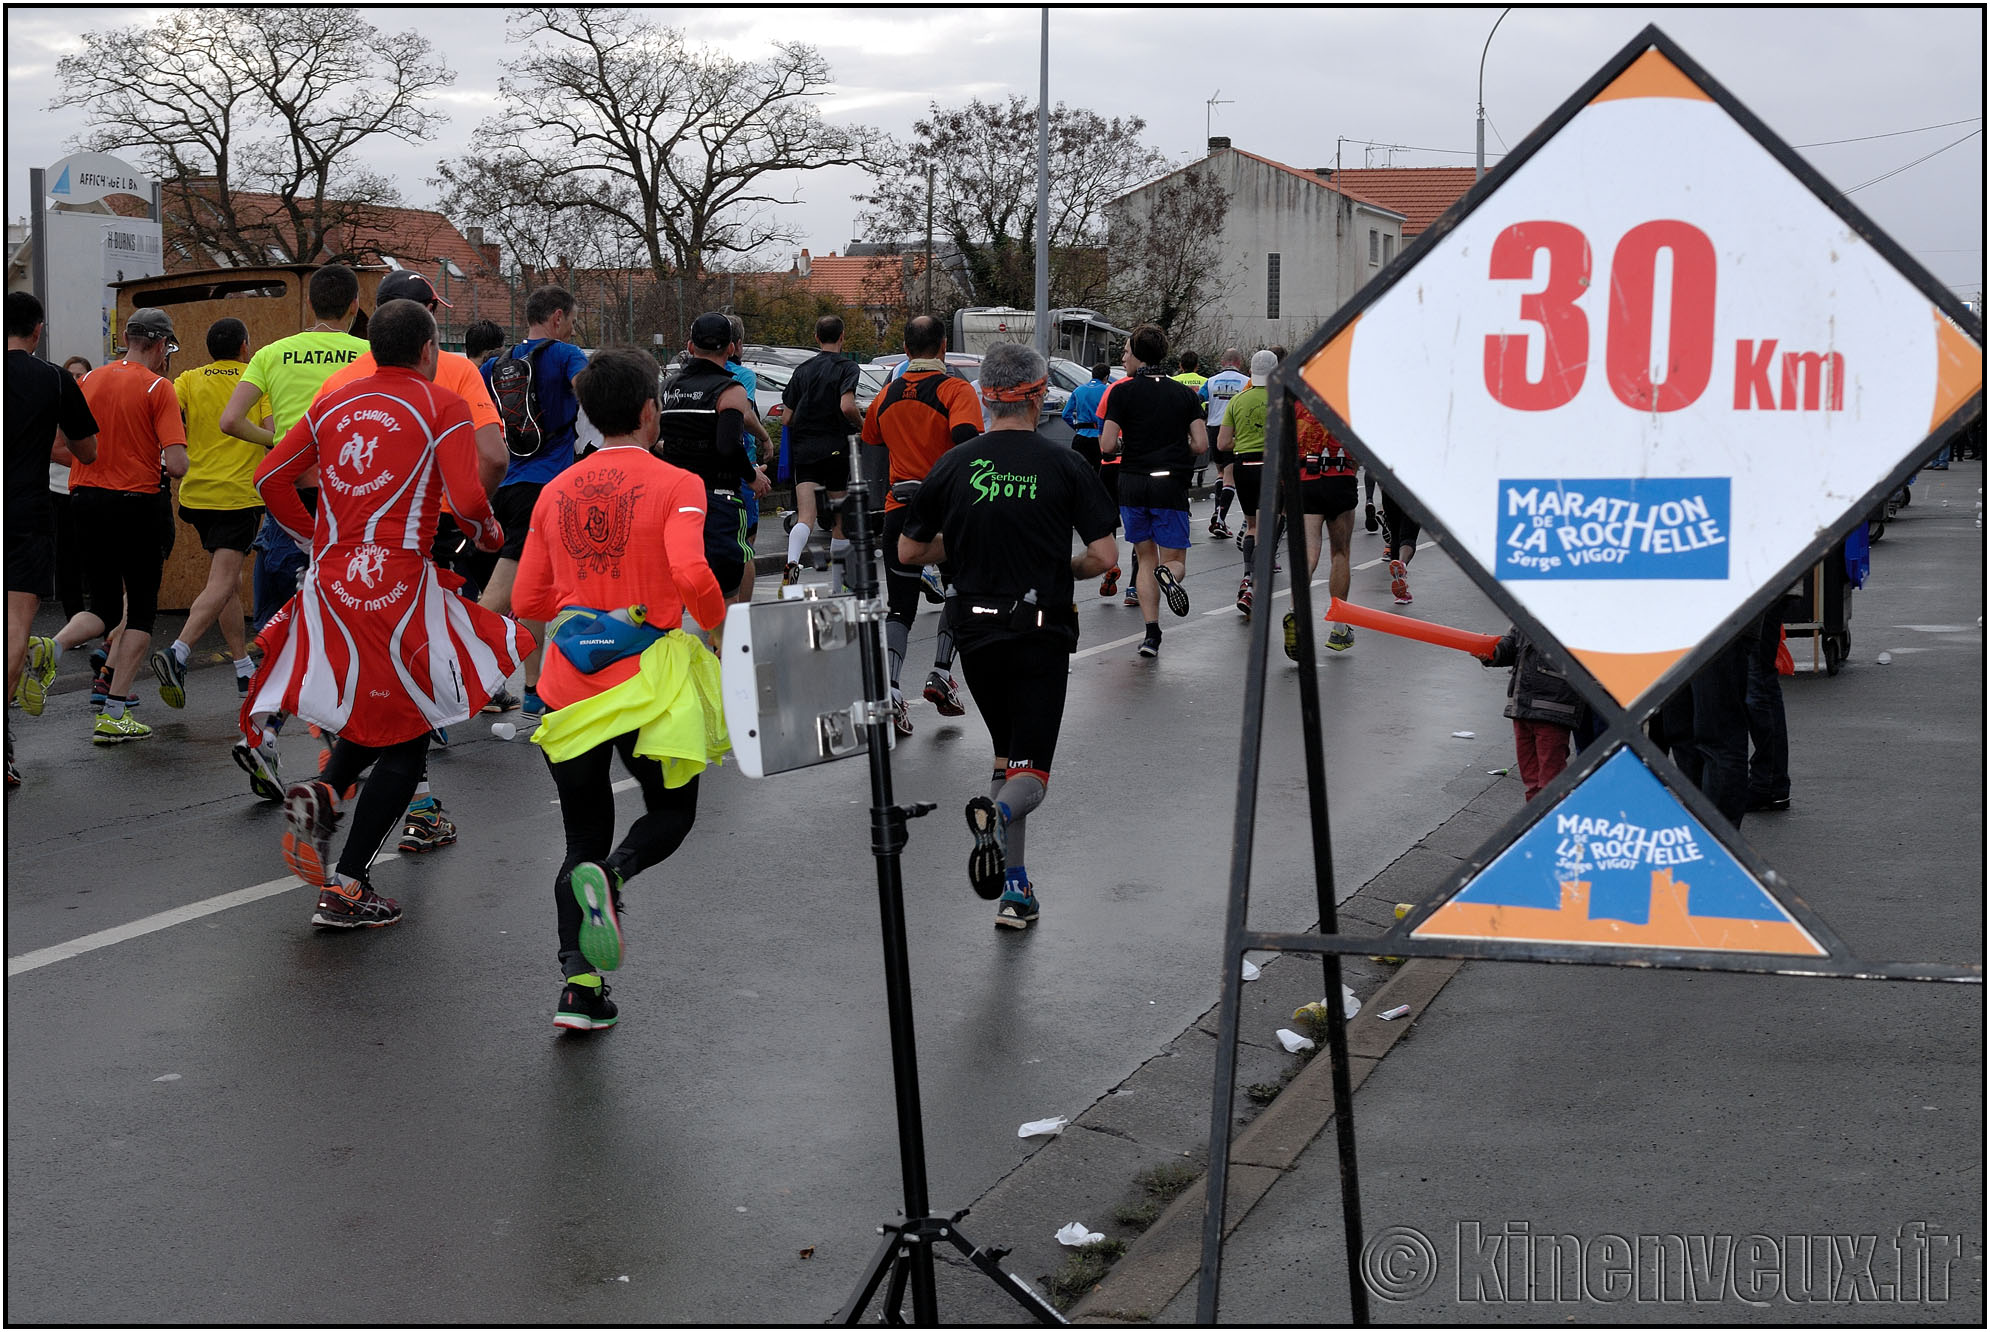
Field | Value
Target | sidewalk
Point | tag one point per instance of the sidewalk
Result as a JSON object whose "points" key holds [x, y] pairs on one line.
{"points": [[1521, 1116]]}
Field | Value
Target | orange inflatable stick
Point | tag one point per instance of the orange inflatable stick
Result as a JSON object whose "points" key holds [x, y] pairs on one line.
{"points": [[1442, 635]]}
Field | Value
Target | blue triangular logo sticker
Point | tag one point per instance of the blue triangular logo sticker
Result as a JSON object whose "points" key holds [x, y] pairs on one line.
{"points": [[1621, 862], [61, 185]]}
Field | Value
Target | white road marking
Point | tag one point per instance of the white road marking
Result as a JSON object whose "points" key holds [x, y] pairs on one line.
{"points": [[1107, 647], [117, 934]]}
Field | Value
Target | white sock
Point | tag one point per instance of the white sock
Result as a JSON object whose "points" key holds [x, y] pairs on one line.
{"points": [[245, 666], [56, 644], [798, 542], [180, 652]]}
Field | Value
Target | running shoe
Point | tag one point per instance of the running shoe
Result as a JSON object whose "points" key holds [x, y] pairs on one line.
{"points": [[930, 585], [1132, 597], [530, 709], [901, 713], [942, 693], [439, 734], [100, 690], [242, 685], [1111, 583], [1399, 582], [100, 662], [1150, 646], [791, 574], [598, 890], [502, 701], [426, 829], [584, 1005], [1244, 597], [117, 730], [172, 677], [1174, 592], [1018, 909], [310, 816], [1292, 635], [37, 675], [986, 862], [1371, 521], [264, 781], [1340, 638], [1218, 529], [13, 777], [354, 906]]}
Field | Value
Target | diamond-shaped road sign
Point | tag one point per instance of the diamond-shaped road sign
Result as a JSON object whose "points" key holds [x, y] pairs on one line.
{"points": [[1648, 369]]}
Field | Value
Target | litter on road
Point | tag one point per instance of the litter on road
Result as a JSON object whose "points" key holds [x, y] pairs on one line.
{"points": [[1074, 1235], [1047, 1126], [1293, 1041], [1463, 735], [1251, 971], [1392, 1014]]}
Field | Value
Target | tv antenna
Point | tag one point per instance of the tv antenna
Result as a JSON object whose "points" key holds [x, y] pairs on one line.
{"points": [[1215, 100]]}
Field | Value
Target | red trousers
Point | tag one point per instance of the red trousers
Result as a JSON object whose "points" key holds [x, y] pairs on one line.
{"points": [[1543, 751]]}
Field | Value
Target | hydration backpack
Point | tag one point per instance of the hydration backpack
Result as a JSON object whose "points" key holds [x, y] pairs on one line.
{"points": [[515, 387]]}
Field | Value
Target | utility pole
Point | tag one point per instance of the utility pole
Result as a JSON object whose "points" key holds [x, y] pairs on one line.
{"points": [[929, 238], [1043, 199], [1482, 90]]}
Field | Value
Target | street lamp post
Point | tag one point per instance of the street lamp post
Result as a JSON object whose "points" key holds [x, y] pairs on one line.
{"points": [[1482, 90]]}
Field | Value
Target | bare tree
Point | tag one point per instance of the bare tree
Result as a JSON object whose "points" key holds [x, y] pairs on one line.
{"points": [[984, 158], [614, 117], [1167, 260], [227, 104]]}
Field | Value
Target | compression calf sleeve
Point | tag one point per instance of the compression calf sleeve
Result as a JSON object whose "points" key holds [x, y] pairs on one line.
{"points": [[896, 636], [798, 542]]}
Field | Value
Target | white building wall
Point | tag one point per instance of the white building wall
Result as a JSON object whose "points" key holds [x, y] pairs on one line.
{"points": [[1320, 236]]}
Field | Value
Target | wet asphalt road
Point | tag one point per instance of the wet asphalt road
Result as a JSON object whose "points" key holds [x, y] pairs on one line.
{"points": [[240, 1118]]}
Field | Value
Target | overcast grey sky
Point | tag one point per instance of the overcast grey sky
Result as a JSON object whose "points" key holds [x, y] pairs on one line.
{"points": [[1295, 81]]}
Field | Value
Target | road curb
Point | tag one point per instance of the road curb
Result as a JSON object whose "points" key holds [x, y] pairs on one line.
{"points": [[1168, 1255]]}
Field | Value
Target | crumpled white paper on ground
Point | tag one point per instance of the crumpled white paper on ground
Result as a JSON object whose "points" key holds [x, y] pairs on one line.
{"points": [[1293, 1041], [1076, 1236], [1349, 1004], [1251, 971], [1036, 1126]]}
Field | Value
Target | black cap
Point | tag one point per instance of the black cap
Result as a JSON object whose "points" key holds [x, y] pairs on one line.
{"points": [[152, 323], [402, 285], [711, 332]]}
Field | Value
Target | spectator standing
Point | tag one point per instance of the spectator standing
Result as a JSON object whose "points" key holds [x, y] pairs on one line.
{"points": [[1217, 391], [1544, 706]]}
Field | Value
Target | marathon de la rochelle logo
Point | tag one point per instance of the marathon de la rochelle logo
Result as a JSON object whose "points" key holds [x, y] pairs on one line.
{"points": [[366, 565]]}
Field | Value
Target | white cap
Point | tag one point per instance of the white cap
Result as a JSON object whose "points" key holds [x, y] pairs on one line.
{"points": [[1262, 364]]}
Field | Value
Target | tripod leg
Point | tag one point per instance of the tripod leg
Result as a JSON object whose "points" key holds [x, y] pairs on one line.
{"points": [[1019, 1290], [883, 1261], [894, 1291]]}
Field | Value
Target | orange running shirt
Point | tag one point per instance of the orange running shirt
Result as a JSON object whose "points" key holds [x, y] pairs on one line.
{"points": [[621, 527], [138, 417], [915, 418]]}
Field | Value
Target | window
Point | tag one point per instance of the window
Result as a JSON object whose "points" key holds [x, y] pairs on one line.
{"points": [[1374, 247], [1388, 248], [1271, 286]]}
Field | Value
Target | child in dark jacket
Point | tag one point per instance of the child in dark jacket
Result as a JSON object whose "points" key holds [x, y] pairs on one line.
{"points": [[1544, 706]]}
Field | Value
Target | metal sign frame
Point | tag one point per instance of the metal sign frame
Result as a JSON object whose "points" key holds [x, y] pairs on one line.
{"points": [[1625, 721]]}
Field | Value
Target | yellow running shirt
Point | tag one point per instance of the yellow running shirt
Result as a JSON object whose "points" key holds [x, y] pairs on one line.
{"points": [[291, 371], [221, 470]]}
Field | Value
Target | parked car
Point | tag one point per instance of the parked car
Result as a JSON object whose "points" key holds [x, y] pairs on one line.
{"points": [[968, 366]]}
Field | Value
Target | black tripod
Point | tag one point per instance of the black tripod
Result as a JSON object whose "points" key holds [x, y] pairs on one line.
{"points": [[906, 1255]]}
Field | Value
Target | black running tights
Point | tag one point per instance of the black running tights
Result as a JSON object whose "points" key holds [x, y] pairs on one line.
{"points": [[383, 801], [587, 807]]}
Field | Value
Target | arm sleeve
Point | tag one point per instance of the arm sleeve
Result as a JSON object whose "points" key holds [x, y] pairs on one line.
{"points": [[964, 411], [872, 432], [277, 475], [166, 421], [73, 410], [926, 514], [532, 590], [1094, 515], [684, 542], [456, 457]]}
